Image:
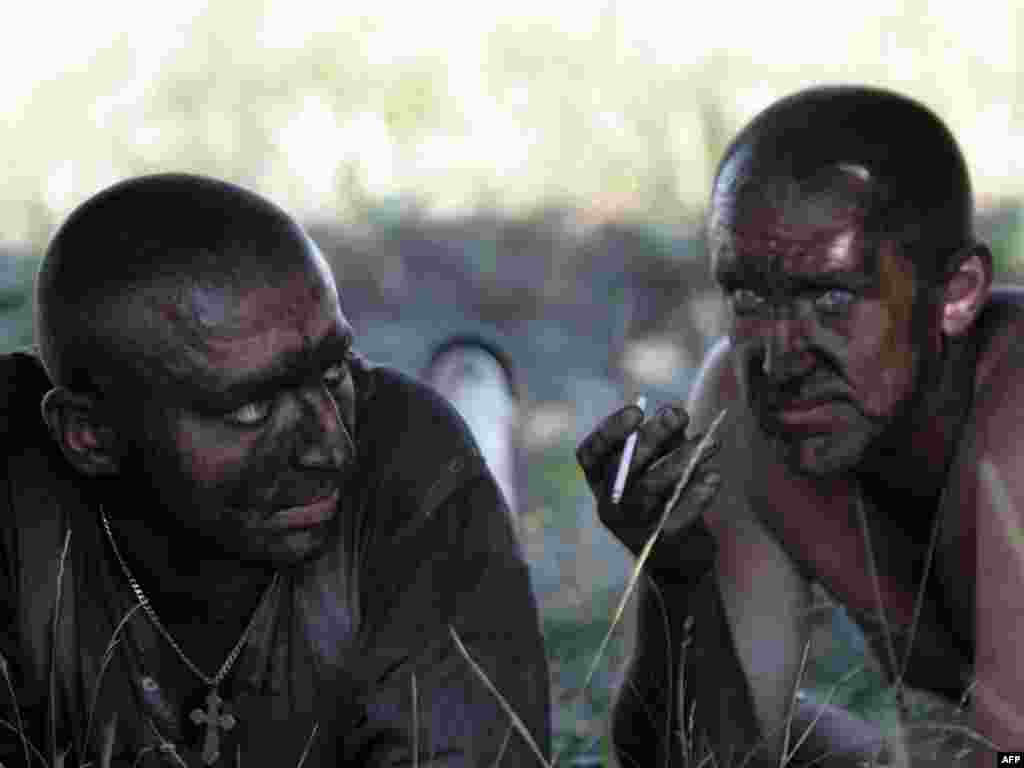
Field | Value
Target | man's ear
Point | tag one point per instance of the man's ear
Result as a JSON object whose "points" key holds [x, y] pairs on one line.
{"points": [[75, 424], [966, 289]]}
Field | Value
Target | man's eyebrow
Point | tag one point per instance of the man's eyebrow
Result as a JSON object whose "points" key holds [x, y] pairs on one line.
{"points": [[294, 369], [853, 278]]}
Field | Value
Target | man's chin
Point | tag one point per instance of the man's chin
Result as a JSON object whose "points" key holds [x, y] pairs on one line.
{"points": [[820, 455], [288, 548], [302, 546]]}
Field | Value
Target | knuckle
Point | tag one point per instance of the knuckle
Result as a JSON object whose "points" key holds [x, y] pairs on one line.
{"points": [[668, 417]]}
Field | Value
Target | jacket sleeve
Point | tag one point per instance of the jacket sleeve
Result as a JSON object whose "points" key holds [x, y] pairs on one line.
{"points": [[463, 577]]}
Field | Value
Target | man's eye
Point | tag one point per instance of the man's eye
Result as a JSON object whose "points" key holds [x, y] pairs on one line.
{"points": [[251, 414], [336, 375], [746, 302], [834, 301]]}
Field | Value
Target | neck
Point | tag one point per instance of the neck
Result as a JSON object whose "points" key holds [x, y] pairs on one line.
{"points": [[927, 435], [184, 581]]}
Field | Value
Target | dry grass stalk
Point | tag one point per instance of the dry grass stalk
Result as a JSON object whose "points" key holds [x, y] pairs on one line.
{"points": [[108, 656], [415, 723], [513, 717], [53, 650], [309, 745], [504, 746], [20, 729], [821, 710], [953, 729], [788, 730], [645, 553], [107, 748]]}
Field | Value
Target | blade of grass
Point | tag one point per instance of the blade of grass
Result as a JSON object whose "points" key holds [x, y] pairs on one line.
{"points": [[687, 732], [53, 649], [108, 656], [166, 746], [783, 757], [504, 746], [513, 717], [821, 710], [415, 724], [954, 728], [15, 729], [788, 720], [645, 553], [17, 710], [309, 745], [107, 750]]}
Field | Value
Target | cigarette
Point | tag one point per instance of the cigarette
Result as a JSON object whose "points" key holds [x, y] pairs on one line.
{"points": [[627, 457]]}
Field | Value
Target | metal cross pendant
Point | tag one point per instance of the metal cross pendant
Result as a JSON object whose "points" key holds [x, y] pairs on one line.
{"points": [[213, 721]]}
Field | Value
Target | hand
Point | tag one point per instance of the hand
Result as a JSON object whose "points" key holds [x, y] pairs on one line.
{"points": [[684, 548]]}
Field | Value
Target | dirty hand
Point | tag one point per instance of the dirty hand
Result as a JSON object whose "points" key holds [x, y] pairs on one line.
{"points": [[663, 451]]}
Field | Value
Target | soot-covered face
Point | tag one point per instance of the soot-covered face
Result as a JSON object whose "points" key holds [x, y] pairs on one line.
{"points": [[245, 439], [823, 319]]}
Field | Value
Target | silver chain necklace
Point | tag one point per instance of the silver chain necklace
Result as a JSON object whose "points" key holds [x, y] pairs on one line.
{"points": [[212, 717]]}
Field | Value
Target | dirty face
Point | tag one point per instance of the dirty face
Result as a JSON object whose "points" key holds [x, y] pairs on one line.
{"points": [[822, 316], [245, 437]]}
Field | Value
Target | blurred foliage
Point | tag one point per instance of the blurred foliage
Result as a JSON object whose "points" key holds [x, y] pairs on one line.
{"points": [[571, 645], [612, 108], [555, 483], [1005, 234], [17, 274]]}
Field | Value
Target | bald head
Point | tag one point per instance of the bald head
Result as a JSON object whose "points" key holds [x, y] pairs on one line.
{"points": [[149, 250], [856, 148]]}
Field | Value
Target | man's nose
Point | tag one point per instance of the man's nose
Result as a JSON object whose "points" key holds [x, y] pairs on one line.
{"points": [[786, 345], [324, 440]]}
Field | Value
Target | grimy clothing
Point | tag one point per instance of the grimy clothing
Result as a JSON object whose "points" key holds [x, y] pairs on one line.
{"points": [[351, 660]]}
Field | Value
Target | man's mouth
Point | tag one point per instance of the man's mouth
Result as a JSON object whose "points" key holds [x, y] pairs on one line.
{"points": [[313, 513], [807, 414]]}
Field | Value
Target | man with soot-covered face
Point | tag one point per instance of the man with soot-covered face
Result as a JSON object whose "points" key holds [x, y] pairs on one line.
{"points": [[287, 542], [873, 444]]}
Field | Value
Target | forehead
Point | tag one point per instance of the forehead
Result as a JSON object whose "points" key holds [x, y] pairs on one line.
{"points": [[219, 332], [779, 224]]}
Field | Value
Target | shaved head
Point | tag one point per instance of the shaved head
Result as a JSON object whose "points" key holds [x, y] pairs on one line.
{"points": [[148, 256], [859, 149]]}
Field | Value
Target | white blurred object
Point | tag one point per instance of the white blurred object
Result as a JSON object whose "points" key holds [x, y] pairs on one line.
{"points": [[468, 372]]}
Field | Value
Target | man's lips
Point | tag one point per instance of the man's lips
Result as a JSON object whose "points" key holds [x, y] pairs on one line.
{"points": [[306, 515], [807, 413]]}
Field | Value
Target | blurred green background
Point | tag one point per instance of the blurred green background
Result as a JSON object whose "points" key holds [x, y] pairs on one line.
{"points": [[536, 173]]}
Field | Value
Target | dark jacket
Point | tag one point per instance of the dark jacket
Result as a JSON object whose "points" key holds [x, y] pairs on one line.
{"points": [[337, 649]]}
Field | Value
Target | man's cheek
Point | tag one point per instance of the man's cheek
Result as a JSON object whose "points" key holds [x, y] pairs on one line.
{"points": [[208, 459]]}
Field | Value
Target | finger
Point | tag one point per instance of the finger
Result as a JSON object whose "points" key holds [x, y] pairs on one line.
{"points": [[644, 500], [607, 438], [663, 474], [692, 503], [669, 421]]}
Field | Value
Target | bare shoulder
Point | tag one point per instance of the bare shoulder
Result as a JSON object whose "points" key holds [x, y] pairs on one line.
{"points": [[999, 398], [993, 435], [991, 487]]}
